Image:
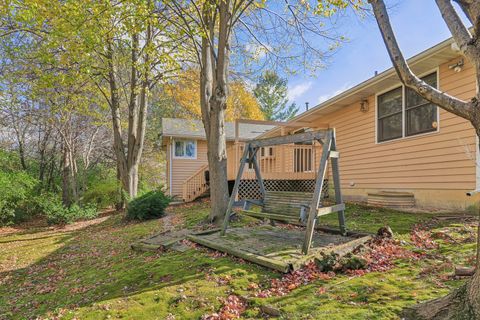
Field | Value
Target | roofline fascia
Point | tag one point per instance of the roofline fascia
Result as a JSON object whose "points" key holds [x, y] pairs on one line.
{"points": [[369, 82], [197, 137]]}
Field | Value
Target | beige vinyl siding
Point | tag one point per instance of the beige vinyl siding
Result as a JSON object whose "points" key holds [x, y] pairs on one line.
{"points": [[184, 168], [443, 160]]}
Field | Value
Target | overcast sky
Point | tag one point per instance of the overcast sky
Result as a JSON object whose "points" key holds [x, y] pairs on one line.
{"points": [[418, 26]]}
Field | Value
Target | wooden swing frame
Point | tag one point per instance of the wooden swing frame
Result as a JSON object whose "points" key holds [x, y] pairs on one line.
{"points": [[329, 151]]}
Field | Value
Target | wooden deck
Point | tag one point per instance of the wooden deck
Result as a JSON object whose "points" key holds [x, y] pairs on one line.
{"points": [[285, 162], [276, 247]]}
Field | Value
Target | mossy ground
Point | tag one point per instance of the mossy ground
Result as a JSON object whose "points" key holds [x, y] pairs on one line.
{"points": [[88, 271]]}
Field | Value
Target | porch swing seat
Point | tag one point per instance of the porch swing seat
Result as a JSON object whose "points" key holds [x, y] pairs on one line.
{"points": [[290, 207]]}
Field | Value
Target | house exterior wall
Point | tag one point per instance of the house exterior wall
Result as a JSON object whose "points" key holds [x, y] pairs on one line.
{"points": [[182, 169], [438, 167]]}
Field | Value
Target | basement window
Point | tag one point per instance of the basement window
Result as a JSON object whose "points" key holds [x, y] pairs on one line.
{"points": [[401, 112], [185, 149]]}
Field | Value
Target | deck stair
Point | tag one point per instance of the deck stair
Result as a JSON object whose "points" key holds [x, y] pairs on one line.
{"points": [[196, 185]]}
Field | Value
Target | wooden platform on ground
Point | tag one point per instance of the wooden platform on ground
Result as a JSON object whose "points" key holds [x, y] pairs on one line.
{"points": [[161, 241], [276, 247]]}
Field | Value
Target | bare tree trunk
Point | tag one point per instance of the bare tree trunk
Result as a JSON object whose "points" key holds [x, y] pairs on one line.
{"points": [[21, 152], [121, 203], [51, 170], [213, 82], [42, 149], [128, 156], [217, 162], [133, 121], [66, 197], [114, 102], [73, 175], [69, 175], [463, 303]]}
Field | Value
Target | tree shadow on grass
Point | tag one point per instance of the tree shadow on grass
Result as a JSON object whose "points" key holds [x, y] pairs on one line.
{"points": [[96, 264]]}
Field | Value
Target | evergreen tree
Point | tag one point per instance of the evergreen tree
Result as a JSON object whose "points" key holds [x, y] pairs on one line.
{"points": [[271, 93]]}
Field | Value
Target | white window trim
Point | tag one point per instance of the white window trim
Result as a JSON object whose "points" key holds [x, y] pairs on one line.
{"points": [[403, 137], [184, 157]]}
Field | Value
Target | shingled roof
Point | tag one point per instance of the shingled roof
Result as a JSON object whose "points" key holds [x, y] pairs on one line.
{"points": [[185, 128]]}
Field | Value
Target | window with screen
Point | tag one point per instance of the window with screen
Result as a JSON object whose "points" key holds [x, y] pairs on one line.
{"points": [[186, 149], [420, 114], [402, 112], [390, 115]]}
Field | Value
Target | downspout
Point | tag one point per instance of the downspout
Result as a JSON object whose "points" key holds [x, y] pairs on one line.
{"points": [[170, 167]]}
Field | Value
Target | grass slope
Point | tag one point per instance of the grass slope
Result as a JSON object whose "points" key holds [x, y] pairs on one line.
{"points": [[88, 271]]}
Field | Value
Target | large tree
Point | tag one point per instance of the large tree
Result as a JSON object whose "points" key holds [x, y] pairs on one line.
{"points": [[271, 92], [289, 35], [463, 303], [122, 47]]}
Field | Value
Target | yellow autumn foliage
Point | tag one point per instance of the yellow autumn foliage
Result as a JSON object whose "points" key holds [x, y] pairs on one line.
{"points": [[241, 103]]}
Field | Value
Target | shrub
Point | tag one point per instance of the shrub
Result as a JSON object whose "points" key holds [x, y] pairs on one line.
{"points": [[51, 206], [7, 213], [17, 189], [103, 194], [148, 206], [64, 215]]}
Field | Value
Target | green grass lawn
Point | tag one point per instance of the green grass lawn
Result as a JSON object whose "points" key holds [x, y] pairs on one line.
{"points": [[88, 271]]}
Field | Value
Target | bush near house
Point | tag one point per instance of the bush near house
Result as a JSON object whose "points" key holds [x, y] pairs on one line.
{"points": [[151, 205]]}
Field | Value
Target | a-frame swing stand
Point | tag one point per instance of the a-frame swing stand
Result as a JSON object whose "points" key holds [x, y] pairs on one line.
{"points": [[281, 248], [329, 152]]}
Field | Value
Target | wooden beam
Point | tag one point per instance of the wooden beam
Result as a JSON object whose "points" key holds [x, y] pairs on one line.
{"points": [[336, 184], [293, 138], [327, 210], [226, 219], [334, 154], [322, 169], [274, 216], [258, 173]]}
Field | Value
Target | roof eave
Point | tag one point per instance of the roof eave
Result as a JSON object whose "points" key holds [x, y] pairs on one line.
{"points": [[365, 84]]}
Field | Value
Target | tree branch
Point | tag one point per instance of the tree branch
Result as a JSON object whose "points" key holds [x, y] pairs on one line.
{"points": [[459, 31], [443, 100]]}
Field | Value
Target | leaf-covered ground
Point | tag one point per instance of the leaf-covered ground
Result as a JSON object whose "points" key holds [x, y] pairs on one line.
{"points": [[88, 271]]}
